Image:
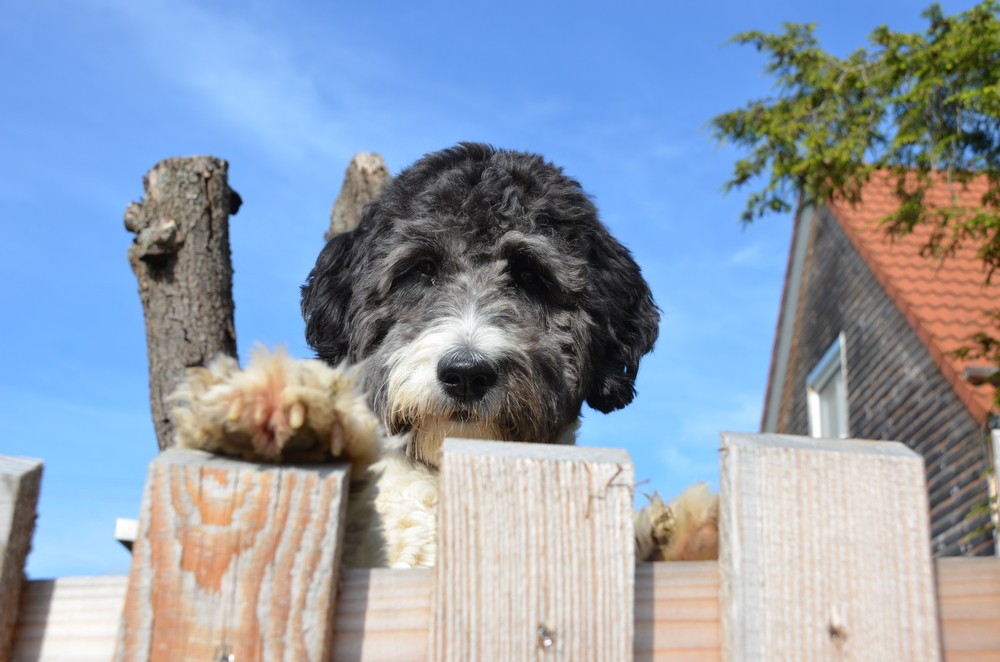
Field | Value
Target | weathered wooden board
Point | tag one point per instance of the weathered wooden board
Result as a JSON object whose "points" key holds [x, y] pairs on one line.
{"points": [[384, 615], [20, 482], [536, 553], [71, 618], [677, 611], [234, 558], [825, 551], [969, 602]]}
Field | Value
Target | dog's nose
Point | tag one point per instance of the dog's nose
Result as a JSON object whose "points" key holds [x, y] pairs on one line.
{"points": [[466, 378]]}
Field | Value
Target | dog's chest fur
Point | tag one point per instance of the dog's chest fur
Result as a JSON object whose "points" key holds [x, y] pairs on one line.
{"points": [[392, 515]]}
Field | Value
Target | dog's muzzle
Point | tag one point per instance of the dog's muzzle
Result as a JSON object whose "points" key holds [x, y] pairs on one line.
{"points": [[465, 377]]}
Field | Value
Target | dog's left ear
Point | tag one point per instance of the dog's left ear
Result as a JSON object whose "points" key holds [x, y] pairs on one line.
{"points": [[326, 298], [626, 316]]}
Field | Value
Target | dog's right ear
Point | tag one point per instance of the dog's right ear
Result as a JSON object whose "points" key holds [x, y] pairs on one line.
{"points": [[326, 298], [628, 323]]}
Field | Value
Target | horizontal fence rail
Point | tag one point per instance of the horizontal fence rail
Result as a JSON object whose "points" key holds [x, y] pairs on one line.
{"points": [[384, 615], [824, 555]]}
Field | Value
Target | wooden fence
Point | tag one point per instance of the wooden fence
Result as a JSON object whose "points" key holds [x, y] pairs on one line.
{"points": [[824, 555]]}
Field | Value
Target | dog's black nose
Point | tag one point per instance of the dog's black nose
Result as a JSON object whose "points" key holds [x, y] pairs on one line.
{"points": [[466, 378]]}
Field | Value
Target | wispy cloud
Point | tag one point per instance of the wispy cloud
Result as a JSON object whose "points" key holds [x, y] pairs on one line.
{"points": [[257, 79], [252, 77], [758, 255], [678, 461], [748, 255], [737, 412]]}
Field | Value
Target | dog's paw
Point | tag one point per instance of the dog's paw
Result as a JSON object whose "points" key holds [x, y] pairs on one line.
{"points": [[277, 409], [686, 529]]}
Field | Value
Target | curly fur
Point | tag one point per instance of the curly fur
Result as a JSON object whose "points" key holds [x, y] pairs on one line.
{"points": [[499, 255], [485, 257]]}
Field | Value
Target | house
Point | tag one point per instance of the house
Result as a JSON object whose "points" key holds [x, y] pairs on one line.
{"points": [[864, 350]]}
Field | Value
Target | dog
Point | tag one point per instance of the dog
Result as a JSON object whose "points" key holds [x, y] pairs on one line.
{"points": [[479, 296]]}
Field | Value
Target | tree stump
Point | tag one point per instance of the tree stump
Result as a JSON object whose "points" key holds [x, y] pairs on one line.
{"points": [[364, 179], [181, 258]]}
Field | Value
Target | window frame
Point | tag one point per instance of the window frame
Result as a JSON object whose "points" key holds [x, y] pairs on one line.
{"points": [[834, 360]]}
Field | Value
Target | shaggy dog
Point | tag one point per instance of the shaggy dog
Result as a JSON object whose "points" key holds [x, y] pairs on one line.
{"points": [[478, 297]]}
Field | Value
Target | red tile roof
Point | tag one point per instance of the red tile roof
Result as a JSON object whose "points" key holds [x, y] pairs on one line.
{"points": [[945, 301]]}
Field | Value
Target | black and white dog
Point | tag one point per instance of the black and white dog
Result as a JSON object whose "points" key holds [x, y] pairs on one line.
{"points": [[486, 300], [479, 296]]}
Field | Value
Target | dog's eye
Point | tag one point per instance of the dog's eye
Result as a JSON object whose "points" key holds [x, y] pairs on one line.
{"points": [[526, 277], [426, 267]]}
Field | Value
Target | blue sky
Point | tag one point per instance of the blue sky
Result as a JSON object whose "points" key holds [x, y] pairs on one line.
{"points": [[619, 94]]}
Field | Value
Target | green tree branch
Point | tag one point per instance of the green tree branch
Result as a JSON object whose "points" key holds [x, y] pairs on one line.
{"points": [[924, 107]]}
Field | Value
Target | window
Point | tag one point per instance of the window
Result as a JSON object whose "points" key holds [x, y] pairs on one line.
{"points": [[827, 394]]}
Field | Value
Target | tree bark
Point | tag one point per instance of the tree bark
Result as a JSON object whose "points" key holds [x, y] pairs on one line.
{"points": [[181, 258], [364, 179]]}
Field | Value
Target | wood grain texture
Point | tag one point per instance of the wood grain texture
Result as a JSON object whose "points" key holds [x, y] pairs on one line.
{"points": [[20, 482], [969, 602], [72, 618], [824, 551], [234, 557], [536, 553], [677, 611], [384, 615]]}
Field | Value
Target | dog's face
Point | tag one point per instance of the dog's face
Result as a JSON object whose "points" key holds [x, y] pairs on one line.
{"points": [[486, 300]]}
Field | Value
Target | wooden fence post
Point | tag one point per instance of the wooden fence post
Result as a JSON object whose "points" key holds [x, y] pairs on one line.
{"points": [[825, 551], [536, 553], [234, 559], [20, 481]]}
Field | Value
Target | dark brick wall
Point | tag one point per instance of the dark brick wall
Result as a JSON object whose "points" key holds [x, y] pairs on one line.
{"points": [[895, 389]]}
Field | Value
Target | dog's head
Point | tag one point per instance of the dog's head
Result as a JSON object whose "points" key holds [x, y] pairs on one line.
{"points": [[486, 299]]}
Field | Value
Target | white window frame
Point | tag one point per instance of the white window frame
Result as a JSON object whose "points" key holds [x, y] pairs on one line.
{"points": [[834, 360]]}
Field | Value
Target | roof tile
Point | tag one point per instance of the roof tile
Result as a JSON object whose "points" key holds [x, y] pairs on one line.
{"points": [[946, 301]]}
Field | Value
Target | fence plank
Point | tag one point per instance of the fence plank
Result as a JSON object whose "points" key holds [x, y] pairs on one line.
{"points": [[969, 600], [20, 481], [71, 618], [384, 615], [536, 553], [677, 611], [825, 551], [234, 558]]}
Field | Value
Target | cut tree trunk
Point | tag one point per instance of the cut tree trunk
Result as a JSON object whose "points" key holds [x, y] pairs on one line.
{"points": [[364, 179], [181, 258]]}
